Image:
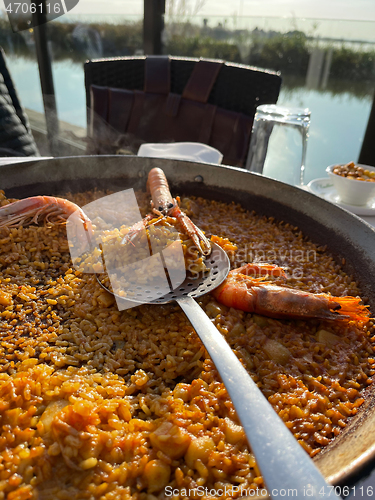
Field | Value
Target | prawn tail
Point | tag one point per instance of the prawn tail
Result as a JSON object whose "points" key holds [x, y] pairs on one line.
{"points": [[350, 308]]}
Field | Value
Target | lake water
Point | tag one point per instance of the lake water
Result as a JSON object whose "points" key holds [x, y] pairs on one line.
{"points": [[338, 122]]}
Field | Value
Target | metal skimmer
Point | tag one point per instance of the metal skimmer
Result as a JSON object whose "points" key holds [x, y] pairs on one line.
{"points": [[193, 286], [286, 468]]}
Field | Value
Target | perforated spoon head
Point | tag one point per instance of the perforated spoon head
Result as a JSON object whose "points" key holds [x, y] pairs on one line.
{"points": [[194, 286]]}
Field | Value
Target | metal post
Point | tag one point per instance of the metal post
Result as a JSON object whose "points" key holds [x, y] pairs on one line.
{"points": [[153, 25], [46, 78], [367, 154]]}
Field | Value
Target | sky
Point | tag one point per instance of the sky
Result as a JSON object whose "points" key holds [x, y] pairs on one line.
{"points": [[317, 9], [277, 15]]}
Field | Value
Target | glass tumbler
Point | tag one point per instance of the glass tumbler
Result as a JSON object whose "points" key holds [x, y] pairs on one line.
{"points": [[279, 142]]}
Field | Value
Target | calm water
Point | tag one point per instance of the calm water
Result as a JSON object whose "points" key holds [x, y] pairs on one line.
{"points": [[338, 122]]}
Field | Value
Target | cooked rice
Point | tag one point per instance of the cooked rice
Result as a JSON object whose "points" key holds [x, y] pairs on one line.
{"points": [[101, 404], [117, 248]]}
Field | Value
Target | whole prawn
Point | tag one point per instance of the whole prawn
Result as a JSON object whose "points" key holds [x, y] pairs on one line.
{"points": [[241, 290], [163, 205], [41, 208]]}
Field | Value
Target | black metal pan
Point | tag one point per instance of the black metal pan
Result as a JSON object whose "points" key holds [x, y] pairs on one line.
{"points": [[344, 234]]}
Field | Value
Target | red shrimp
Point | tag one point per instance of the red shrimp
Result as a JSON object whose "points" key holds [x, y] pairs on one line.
{"points": [[41, 208], [163, 205], [257, 295]]}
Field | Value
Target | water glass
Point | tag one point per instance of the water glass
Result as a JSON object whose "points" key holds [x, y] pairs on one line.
{"points": [[279, 142]]}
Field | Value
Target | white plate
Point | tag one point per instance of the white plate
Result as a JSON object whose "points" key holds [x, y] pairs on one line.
{"points": [[324, 188]]}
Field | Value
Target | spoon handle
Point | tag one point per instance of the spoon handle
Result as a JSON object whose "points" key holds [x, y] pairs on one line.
{"points": [[286, 468]]}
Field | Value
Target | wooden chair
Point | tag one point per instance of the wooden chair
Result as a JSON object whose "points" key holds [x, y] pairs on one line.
{"points": [[237, 88]]}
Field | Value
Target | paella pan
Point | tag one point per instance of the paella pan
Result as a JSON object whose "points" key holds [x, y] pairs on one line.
{"points": [[126, 405]]}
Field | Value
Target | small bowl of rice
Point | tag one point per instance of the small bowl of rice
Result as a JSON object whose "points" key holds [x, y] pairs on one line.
{"points": [[354, 183]]}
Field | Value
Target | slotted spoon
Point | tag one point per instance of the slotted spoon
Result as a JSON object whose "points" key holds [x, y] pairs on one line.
{"points": [[286, 468]]}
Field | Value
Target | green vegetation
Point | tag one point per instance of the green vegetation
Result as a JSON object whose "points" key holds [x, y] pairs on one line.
{"points": [[350, 65], [203, 47], [288, 53], [77, 42]]}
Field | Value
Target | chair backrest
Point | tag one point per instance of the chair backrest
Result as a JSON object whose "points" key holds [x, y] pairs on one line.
{"points": [[237, 88]]}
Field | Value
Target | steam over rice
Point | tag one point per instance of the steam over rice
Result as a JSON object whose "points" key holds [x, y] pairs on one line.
{"points": [[101, 404]]}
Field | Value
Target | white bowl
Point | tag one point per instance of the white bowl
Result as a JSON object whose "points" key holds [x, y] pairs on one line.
{"points": [[351, 191]]}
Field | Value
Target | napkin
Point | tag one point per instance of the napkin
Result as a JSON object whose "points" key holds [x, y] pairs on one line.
{"points": [[193, 151]]}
